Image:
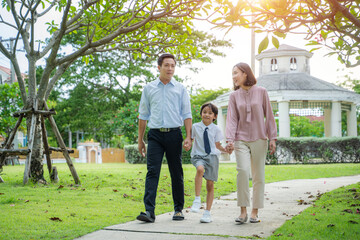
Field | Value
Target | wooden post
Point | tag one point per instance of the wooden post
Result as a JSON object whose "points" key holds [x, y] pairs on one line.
{"points": [[30, 145], [46, 145], [63, 147], [10, 139]]}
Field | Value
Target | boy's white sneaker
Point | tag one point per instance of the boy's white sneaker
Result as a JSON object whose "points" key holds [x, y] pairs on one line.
{"points": [[206, 218], [196, 206]]}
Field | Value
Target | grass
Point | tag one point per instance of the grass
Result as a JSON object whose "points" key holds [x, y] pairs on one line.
{"points": [[336, 215], [111, 194]]}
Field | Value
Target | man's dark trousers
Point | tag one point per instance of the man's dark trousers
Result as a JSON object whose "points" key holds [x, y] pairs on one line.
{"points": [[169, 143]]}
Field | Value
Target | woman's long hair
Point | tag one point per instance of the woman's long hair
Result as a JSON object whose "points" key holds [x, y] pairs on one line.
{"points": [[250, 79]]}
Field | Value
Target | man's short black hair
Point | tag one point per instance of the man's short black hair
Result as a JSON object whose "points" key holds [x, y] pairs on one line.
{"points": [[163, 56]]}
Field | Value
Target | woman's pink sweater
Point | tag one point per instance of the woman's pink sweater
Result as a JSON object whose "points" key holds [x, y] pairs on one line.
{"points": [[249, 116]]}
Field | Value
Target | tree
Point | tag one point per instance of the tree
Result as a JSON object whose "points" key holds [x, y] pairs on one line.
{"points": [[140, 27], [354, 85], [331, 23], [10, 102], [302, 127]]}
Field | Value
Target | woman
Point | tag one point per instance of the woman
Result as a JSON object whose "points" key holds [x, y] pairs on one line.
{"points": [[247, 133]]}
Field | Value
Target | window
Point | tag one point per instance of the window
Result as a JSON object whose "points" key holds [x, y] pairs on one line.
{"points": [[293, 64], [274, 65]]}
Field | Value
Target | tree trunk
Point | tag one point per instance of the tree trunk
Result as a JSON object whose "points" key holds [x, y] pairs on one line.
{"points": [[36, 165]]}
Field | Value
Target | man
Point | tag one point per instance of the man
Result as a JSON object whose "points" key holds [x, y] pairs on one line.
{"points": [[166, 105]]}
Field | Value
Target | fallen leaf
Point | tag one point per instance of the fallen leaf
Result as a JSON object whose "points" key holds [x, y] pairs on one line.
{"points": [[290, 234], [278, 235], [257, 236], [27, 200], [46, 211], [125, 195], [2, 193], [308, 193], [133, 187], [187, 194], [115, 190], [331, 225], [83, 189], [61, 186], [311, 196], [348, 210], [317, 219], [55, 219]]}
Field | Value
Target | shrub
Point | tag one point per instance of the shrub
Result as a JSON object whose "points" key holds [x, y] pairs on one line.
{"points": [[311, 150]]}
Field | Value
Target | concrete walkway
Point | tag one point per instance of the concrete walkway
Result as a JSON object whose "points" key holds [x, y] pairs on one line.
{"points": [[281, 204]]}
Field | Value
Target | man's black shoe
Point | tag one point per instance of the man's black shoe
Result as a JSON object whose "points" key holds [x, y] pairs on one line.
{"points": [[178, 216], [146, 217]]}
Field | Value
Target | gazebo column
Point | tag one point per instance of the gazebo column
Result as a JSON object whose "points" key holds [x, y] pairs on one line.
{"points": [[284, 119], [352, 121], [336, 119], [221, 122], [327, 122], [221, 119]]}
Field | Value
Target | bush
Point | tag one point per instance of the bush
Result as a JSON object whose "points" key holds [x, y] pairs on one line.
{"points": [[133, 156], [314, 150]]}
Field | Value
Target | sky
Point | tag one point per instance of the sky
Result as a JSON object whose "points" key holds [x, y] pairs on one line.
{"points": [[218, 73]]}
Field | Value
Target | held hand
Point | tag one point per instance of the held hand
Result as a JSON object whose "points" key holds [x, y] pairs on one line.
{"points": [[229, 147], [272, 147], [142, 148], [187, 144]]}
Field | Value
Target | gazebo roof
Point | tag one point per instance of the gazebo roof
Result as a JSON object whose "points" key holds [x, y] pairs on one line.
{"points": [[284, 50], [296, 81], [298, 87]]}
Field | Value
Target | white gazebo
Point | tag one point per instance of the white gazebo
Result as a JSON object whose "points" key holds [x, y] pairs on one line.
{"points": [[285, 73]]}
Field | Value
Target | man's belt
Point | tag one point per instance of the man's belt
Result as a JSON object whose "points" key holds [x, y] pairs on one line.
{"points": [[166, 129]]}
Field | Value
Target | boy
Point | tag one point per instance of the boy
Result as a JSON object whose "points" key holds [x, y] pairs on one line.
{"points": [[204, 156]]}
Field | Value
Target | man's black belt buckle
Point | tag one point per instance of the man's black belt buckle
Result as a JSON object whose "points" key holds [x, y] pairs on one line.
{"points": [[167, 129]]}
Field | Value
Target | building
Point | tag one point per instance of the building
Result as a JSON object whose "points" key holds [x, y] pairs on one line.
{"points": [[285, 73]]}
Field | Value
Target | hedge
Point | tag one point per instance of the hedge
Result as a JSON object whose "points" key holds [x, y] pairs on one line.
{"points": [[290, 150], [316, 150], [133, 156]]}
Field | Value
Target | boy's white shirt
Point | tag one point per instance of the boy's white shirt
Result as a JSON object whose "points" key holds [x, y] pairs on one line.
{"points": [[197, 133]]}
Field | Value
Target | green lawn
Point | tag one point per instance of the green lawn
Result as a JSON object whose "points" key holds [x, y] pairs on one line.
{"points": [[336, 215], [111, 194]]}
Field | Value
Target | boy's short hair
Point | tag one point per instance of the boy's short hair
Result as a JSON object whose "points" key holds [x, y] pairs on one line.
{"points": [[163, 56], [213, 108]]}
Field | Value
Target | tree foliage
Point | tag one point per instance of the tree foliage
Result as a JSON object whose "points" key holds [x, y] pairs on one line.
{"points": [[10, 102], [330, 23], [301, 126]]}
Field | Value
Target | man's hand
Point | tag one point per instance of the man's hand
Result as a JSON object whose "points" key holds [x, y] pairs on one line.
{"points": [[141, 147], [272, 146], [187, 144]]}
